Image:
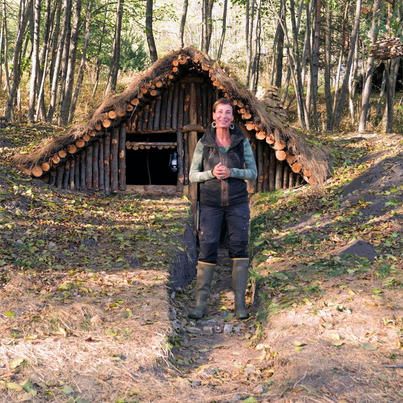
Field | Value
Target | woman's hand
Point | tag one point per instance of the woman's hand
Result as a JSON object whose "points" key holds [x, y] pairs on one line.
{"points": [[220, 171]]}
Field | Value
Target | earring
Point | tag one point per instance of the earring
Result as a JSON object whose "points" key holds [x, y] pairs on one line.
{"points": [[231, 126], [213, 124]]}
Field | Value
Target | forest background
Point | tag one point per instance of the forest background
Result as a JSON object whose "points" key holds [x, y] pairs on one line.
{"points": [[59, 59]]}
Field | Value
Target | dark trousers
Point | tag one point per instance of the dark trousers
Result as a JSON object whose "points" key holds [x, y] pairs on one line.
{"points": [[211, 220]]}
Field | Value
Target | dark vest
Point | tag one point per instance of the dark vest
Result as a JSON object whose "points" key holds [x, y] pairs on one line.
{"points": [[232, 191]]}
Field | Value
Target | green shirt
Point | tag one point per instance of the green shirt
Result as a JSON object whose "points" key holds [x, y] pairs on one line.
{"points": [[247, 173]]}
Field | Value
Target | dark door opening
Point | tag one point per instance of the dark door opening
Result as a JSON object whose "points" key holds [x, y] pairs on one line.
{"points": [[150, 167]]}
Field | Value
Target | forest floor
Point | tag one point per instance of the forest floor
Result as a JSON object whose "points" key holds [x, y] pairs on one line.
{"points": [[85, 315]]}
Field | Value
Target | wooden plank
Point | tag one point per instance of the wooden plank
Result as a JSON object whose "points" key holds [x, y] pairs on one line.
{"points": [[115, 160], [122, 158]]}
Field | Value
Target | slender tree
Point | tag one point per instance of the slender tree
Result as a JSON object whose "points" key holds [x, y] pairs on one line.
{"points": [[183, 22], [149, 31], [340, 102], [223, 30]]}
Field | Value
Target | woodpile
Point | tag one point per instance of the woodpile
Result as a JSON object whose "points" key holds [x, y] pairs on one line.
{"points": [[387, 48]]}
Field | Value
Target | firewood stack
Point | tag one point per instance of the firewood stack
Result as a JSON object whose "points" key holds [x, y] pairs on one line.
{"points": [[387, 48]]}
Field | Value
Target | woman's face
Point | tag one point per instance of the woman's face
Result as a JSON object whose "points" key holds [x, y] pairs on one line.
{"points": [[223, 116]]}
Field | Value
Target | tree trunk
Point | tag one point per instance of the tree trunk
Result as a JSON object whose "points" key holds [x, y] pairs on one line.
{"points": [[280, 45], [34, 61], [25, 11], [77, 89], [150, 32], [328, 62], [315, 63], [366, 92], [340, 103], [56, 68], [224, 28], [296, 70], [4, 47], [66, 101], [66, 53], [207, 24], [40, 110], [183, 22]]}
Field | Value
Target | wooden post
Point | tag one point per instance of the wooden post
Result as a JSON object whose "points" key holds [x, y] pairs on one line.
{"points": [[83, 158], [168, 118], [101, 169], [115, 160], [88, 168], [77, 172], [180, 105], [266, 161], [122, 158], [107, 158], [59, 177], [186, 105], [72, 174], [192, 141], [292, 179], [180, 180], [157, 113], [279, 174], [205, 112], [199, 105], [175, 107], [272, 171], [185, 159], [285, 175], [163, 113], [260, 166], [66, 175], [151, 115], [52, 177], [140, 122], [95, 164]]}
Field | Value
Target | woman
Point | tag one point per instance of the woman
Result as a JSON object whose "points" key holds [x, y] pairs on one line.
{"points": [[222, 161]]}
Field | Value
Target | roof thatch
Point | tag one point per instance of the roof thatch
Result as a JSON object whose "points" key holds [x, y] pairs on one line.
{"points": [[267, 117]]}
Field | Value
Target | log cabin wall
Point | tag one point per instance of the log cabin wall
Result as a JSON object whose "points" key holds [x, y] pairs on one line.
{"points": [[187, 102]]}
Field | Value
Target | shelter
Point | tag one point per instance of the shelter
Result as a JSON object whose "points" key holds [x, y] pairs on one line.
{"points": [[146, 135]]}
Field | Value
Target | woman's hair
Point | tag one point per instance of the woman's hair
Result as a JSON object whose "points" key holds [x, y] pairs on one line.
{"points": [[223, 101]]}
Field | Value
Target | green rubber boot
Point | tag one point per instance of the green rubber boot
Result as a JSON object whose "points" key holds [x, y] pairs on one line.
{"points": [[205, 272], [240, 271]]}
